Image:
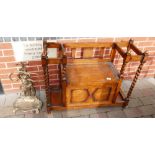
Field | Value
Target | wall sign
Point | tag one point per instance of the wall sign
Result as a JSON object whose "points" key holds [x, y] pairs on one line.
{"points": [[27, 50]]}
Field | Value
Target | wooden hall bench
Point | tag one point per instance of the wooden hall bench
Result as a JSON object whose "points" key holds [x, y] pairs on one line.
{"points": [[88, 79]]}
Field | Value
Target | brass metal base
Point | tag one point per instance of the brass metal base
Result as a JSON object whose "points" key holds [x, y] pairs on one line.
{"points": [[27, 103]]}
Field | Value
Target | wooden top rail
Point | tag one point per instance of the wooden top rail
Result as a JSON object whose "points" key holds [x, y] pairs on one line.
{"points": [[52, 45], [136, 50], [136, 57], [94, 45], [121, 52]]}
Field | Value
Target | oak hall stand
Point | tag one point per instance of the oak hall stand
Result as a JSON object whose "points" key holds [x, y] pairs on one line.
{"points": [[88, 80]]}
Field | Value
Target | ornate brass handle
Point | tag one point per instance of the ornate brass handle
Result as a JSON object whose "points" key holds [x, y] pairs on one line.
{"points": [[10, 77]]}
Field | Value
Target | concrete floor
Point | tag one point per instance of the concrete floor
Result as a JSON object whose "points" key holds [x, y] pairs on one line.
{"points": [[142, 104]]}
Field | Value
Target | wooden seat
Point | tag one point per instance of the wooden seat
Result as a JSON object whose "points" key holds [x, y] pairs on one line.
{"points": [[91, 74], [87, 80]]}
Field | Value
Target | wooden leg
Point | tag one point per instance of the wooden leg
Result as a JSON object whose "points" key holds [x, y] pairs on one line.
{"points": [[125, 103]]}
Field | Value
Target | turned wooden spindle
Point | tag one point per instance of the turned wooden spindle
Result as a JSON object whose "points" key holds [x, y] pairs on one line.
{"points": [[46, 74], [143, 60], [125, 61], [45, 71], [127, 57], [64, 59]]}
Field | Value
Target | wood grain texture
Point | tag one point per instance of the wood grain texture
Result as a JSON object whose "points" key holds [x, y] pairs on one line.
{"points": [[94, 45], [87, 53], [91, 74]]}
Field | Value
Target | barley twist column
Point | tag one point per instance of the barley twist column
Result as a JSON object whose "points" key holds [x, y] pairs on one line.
{"points": [[123, 67], [45, 71], [128, 57], [125, 61], [46, 74], [143, 60]]}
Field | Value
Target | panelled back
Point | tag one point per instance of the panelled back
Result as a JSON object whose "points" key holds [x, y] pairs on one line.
{"points": [[89, 50]]}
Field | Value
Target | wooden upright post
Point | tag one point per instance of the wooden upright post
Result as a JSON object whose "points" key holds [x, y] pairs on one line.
{"points": [[127, 57], [113, 52], [64, 80], [46, 74], [143, 60]]}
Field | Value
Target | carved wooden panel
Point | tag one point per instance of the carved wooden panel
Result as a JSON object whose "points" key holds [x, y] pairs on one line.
{"points": [[101, 94], [79, 95], [90, 94], [88, 52]]}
